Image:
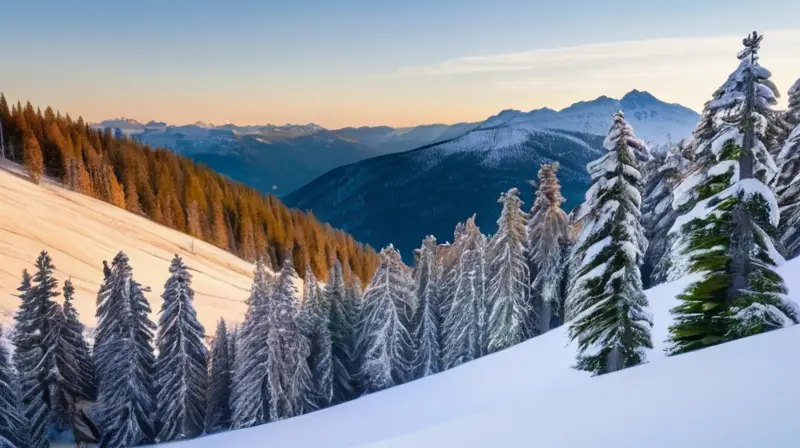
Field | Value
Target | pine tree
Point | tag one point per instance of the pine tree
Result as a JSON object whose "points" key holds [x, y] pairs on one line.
{"points": [[509, 308], [181, 368], [251, 400], [218, 414], [386, 343], [317, 312], [34, 358], [12, 421], [32, 156], [547, 237], [426, 323], [727, 236], [288, 375], [73, 355], [787, 182], [124, 361], [606, 302], [465, 329], [342, 337]]}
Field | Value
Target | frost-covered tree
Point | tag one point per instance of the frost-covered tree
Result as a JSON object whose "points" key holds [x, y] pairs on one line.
{"points": [[465, 329], [606, 305], [787, 182], [426, 322], [251, 400], [317, 312], [386, 343], [547, 237], [289, 378], [727, 235], [218, 414], [12, 421], [35, 340], [124, 360], [73, 355], [510, 312], [343, 335], [182, 364]]}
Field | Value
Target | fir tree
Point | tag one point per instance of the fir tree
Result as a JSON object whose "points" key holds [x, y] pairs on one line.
{"points": [[218, 414], [124, 361], [787, 182], [727, 236], [35, 337], [386, 343], [251, 400], [288, 375], [547, 237], [342, 337], [610, 319], [465, 329], [73, 355], [181, 368], [317, 312], [509, 309], [12, 422], [426, 323]]}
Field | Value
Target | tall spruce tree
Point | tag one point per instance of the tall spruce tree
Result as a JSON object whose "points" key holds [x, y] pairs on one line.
{"points": [[12, 422], [218, 414], [124, 360], [73, 355], [35, 340], [288, 375], [426, 323], [317, 312], [727, 235], [510, 312], [251, 400], [547, 239], [181, 367], [342, 330], [465, 329], [787, 182], [386, 344], [607, 306]]}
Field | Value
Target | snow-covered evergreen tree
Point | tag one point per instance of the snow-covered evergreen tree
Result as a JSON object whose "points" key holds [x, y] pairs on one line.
{"points": [[787, 183], [606, 305], [12, 422], [35, 337], [727, 235], [343, 334], [124, 360], [465, 330], [73, 356], [251, 400], [547, 233], [218, 414], [289, 378], [426, 323], [386, 343], [510, 312], [181, 367], [317, 311]]}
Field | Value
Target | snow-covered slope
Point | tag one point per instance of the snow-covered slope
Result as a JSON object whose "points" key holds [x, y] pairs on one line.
{"points": [[740, 394], [80, 232]]}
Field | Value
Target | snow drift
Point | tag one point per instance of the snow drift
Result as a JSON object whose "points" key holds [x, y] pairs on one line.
{"points": [[740, 394]]}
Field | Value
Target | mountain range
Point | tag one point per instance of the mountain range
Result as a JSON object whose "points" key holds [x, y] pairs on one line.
{"points": [[280, 159]]}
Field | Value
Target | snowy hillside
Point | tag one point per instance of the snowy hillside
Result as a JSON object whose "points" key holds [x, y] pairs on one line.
{"points": [[529, 396], [80, 232]]}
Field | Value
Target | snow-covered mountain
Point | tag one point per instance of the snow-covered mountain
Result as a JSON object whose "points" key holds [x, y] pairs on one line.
{"points": [[528, 395], [402, 197]]}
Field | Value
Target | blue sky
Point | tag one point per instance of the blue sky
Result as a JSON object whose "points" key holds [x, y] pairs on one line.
{"points": [[354, 62]]}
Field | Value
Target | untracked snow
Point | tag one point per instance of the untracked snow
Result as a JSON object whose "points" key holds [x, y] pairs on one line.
{"points": [[529, 396]]}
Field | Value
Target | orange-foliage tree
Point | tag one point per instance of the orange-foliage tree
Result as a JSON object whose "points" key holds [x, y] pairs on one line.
{"points": [[178, 193]]}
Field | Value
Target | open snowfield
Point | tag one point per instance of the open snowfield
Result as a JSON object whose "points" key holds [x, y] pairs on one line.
{"points": [[80, 232], [741, 394]]}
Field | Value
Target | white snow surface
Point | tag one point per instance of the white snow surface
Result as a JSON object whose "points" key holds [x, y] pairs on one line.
{"points": [[80, 232], [528, 395]]}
